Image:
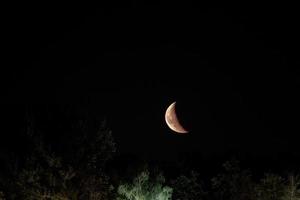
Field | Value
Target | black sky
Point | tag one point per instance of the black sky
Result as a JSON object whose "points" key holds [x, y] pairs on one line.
{"points": [[232, 69]]}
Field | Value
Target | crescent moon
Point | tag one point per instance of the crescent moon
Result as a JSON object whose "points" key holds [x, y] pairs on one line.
{"points": [[172, 120]]}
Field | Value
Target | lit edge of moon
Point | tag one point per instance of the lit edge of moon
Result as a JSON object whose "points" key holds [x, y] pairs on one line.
{"points": [[172, 120]]}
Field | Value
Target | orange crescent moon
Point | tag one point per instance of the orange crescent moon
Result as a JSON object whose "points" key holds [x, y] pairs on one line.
{"points": [[172, 120]]}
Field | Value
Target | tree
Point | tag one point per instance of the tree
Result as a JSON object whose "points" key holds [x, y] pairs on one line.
{"points": [[292, 188], [77, 174], [187, 188], [234, 183], [143, 188], [270, 187]]}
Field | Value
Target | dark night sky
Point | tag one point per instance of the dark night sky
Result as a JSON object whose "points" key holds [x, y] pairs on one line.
{"points": [[232, 69]]}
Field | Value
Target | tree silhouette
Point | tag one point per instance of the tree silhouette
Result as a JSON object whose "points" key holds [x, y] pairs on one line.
{"points": [[292, 188], [77, 174], [234, 183], [187, 188], [270, 187]]}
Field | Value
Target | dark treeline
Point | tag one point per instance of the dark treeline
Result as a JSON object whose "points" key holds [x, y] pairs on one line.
{"points": [[85, 164]]}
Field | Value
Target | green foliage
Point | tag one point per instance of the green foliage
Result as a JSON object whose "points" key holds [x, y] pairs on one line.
{"points": [[270, 187], [234, 183], [292, 188], [143, 188], [91, 150], [275, 187], [76, 175], [76, 172], [58, 181], [187, 188]]}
